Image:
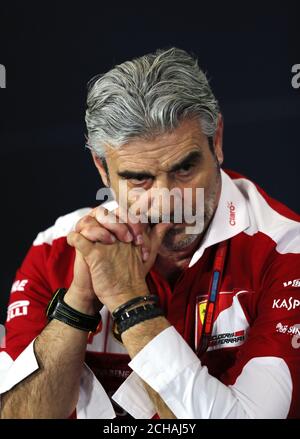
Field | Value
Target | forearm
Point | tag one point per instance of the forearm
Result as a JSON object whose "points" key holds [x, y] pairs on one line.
{"points": [[52, 391], [134, 339]]}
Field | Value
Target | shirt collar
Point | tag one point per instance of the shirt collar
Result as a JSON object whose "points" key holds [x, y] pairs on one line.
{"points": [[231, 217]]}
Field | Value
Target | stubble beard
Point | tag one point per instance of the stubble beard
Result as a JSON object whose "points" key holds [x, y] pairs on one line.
{"points": [[170, 242]]}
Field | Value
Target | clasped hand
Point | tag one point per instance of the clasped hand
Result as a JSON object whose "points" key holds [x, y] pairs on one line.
{"points": [[113, 257]]}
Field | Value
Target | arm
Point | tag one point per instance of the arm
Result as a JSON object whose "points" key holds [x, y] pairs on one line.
{"points": [[134, 339], [185, 385], [51, 392]]}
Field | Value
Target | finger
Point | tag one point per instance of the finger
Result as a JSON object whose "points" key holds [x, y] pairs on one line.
{"points": [[125, 226], [98, 234], [79, 242], [133, 222], [85, 221], [146, 247], [147, 207], [92, 230], [112, 223]]}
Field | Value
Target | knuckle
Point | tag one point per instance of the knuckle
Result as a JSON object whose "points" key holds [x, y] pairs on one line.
{"points": [[73, 238], [104, 233], [92, 231], [86, 219], [86, 229], [96, 233], [83, 222], [78, 225]]}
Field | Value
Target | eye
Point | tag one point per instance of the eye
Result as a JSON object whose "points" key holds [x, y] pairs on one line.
{"points": [[185, 170], [138, 181]]}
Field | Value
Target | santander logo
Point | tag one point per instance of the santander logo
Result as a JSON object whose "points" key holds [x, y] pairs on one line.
{"points": [[232, 213]]}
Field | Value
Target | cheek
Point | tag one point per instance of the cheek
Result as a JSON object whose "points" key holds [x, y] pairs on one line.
{"points": [[206, 180], [115, 189], [203, 179], [120, 189], [207, 176]]}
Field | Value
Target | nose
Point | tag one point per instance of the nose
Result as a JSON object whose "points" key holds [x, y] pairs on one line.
{"points": [[162, 199], [162, 181]]}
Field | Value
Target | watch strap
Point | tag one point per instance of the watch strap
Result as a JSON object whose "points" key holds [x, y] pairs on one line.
{"points": [[59, 310], [134, 316]]}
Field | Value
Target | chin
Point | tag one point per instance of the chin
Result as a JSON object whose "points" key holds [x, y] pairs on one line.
{"points": [[177, 242]]}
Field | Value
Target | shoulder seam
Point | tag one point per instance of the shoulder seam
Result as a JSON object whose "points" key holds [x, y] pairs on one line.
{"points": [[62, 226]]}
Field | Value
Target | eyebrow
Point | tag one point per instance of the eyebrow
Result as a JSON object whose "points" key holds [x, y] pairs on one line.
{"points": [[135, 174], [193, 156]]}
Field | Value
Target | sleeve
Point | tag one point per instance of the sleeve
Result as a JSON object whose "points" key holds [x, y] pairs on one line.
{"points": [[274, 336], [264, 381], [29, 297], [26, 318]]}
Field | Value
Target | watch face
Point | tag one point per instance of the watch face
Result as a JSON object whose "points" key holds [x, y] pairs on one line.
{"points": [[60, 292]]}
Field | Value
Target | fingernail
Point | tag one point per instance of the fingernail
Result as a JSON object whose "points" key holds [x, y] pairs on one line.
{"points": [[139, 239], [145, 254], [112, 238], [128, 237]]}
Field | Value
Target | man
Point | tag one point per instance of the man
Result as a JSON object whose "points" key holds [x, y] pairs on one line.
{"points": [[201, 324]]}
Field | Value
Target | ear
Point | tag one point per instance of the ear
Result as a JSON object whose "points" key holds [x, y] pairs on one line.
{"points": [[218, 140], [101, 169]]}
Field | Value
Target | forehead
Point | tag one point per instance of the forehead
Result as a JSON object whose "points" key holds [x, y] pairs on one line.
{"points": [[159, 152]]}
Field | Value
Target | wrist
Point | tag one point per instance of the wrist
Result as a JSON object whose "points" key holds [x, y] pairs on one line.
{"points": [[60, 310], [82, 301], [114, 302]]}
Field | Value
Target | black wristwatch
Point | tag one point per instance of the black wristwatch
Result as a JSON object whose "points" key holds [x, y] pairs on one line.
{"points": [[58, 309]]}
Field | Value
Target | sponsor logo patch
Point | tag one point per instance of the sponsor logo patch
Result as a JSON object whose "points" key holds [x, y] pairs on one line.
{"points": [[17, 309], [288, 304], [286, 329], [293, 330], [229, 338], [202, 310], [19, 285], [232, 213], [292, 283]]}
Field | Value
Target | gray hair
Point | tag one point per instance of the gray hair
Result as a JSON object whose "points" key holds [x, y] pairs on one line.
{"points": [[148, 96]]}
